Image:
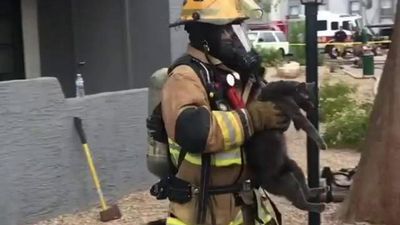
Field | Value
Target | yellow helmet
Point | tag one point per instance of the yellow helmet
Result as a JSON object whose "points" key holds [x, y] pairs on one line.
{"points": [[218, 12]]}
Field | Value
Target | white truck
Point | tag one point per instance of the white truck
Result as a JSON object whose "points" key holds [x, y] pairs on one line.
{"points": [[269, 39]]}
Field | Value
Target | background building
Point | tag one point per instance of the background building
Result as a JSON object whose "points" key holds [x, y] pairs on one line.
{"points": [[122, 41], [381, 11]]}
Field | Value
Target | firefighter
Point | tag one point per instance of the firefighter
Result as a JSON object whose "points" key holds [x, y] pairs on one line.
{"points": [[209, 109], [340, 35]]}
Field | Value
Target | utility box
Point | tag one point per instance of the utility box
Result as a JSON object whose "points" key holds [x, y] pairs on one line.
{"points": [[368, 64]]}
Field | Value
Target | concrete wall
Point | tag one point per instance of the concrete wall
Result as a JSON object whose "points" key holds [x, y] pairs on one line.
{"points": [[42, 166]]}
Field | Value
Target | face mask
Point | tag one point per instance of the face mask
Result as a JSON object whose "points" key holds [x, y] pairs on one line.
{"points": [[233, 48], [228, 43]]}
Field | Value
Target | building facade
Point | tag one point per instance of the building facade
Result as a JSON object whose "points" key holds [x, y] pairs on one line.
{"points": [[376, 11], [121, 41]]}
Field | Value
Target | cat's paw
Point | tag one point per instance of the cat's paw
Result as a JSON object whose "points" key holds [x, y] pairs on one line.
{"points": [[314, 192]]}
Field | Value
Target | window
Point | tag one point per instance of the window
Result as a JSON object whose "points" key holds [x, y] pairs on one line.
{"points": [[386, 8], [281, 37], [266, 37], [294, 10], [294, 7], [355, 7], [321, 25], [252, 36], [386, 4], [346, 25], [335, 26]]}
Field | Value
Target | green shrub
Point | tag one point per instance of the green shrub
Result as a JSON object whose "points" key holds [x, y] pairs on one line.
{"points": [[296, 35], [333, 98], [348, 127], [345, 120], [270, 56]]}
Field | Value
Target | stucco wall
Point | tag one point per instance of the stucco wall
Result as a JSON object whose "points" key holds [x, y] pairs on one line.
{"points": [[42, 166]]}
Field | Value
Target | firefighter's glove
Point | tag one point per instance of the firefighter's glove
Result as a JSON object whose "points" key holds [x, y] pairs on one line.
{"points": [[266, 115]]}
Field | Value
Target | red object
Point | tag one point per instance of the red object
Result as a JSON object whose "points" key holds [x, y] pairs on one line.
{"points": [[235, 99], [282, 25], [325, 39]]}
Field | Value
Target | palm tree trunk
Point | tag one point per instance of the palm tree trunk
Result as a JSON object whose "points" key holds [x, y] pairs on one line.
{"points": [[375, 193]]}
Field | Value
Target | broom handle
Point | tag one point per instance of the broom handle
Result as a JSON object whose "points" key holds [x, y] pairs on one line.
{"points": [[82, 136]]}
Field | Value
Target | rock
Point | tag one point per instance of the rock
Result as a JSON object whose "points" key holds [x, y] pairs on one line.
{"points": [[290, 70]]}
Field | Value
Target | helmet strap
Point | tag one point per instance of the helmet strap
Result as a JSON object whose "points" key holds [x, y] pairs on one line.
{"points": [[206, 50]]}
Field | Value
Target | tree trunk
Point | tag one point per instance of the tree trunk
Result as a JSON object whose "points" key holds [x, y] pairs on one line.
{"points": [[375, 193]]}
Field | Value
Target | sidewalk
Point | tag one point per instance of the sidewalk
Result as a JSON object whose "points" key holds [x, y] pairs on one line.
{"points": [[358, 72]]}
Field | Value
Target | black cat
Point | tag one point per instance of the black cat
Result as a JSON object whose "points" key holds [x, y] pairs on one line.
{"points": [[267, 152]]}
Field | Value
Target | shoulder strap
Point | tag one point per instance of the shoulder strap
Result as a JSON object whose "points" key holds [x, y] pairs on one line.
{"points": [[205, 76], [199, 68]]}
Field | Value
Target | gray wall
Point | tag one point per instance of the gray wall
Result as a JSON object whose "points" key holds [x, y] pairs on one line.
{"points": [[42, 165], [57, 54], [179, 38], [151, 42], [99, 39], [122, 41]]}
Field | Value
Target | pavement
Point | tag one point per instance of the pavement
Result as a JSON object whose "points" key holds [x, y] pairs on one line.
{"points": [[357, 73]]}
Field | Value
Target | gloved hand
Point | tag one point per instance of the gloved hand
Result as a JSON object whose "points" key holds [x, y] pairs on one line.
{"points": [[266, 115]]}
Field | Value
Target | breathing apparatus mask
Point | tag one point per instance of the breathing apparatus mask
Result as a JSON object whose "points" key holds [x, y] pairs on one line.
{"points": [[228, 43]]}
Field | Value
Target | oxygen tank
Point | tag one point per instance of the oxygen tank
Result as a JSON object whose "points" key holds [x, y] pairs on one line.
{"points": [[157, 154]]}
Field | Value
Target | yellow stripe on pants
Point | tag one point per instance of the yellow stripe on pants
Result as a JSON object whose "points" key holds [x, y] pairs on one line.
{"points": [[174, 221]]}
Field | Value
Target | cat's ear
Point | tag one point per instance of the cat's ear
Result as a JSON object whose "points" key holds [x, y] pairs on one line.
{"points": [[310, 87], [302, 85]]}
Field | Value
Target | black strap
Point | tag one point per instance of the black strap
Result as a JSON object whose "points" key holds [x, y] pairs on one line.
{"points": [[235, 188], [181, 157], [201, 73], [205, 76], [204, 192], [183, 60], [199, 68]]}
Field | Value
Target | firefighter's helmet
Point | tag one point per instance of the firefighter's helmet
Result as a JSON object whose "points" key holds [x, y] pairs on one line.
{"points": [[218, 12]]}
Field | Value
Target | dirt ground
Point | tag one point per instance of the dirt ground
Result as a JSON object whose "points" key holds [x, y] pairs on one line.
{"points": [[139, 208]]}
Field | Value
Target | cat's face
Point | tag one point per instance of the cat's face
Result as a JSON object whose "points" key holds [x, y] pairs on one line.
{"points": [[301, 92], [303, 95]]}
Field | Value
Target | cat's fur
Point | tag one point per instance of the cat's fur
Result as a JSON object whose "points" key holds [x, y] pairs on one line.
{"points": [[266, 151]]}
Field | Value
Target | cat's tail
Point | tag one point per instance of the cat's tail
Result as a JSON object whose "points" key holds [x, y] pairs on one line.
{"points": [[313, 133]]}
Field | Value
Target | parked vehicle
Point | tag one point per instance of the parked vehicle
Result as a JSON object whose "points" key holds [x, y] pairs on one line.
{"points": [[329, 23], [269, 39]]}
